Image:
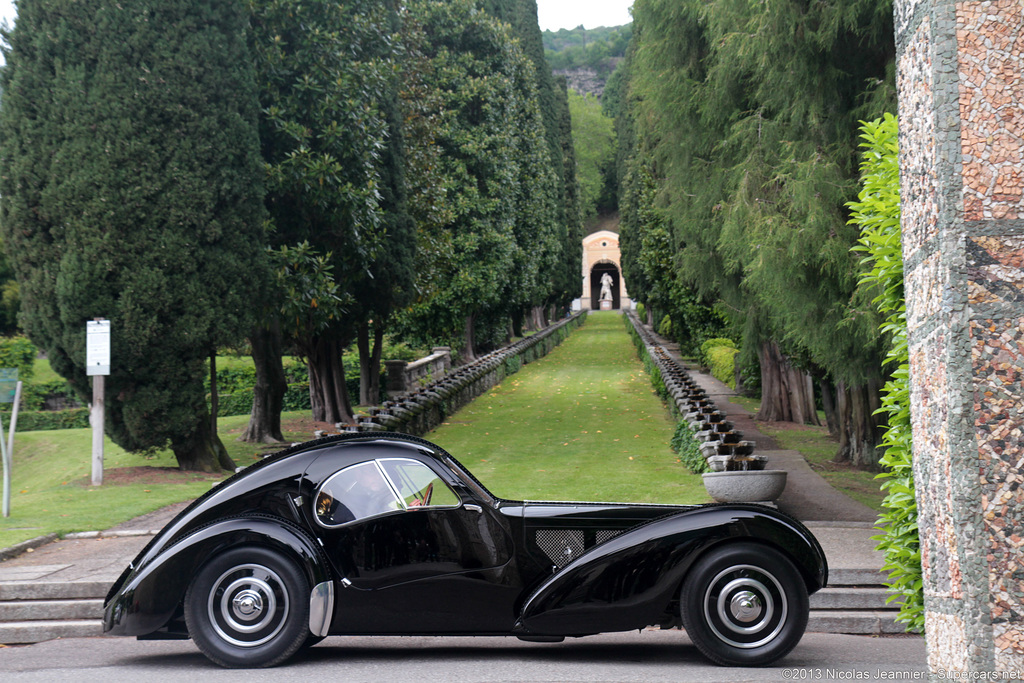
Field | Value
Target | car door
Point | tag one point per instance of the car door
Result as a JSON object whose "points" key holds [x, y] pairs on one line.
{"points": [[414, 555]]}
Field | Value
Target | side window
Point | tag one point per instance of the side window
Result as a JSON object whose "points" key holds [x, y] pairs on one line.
{"points": [[418, 485], [354, 493]]}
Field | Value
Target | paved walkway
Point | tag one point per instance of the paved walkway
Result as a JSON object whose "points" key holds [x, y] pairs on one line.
{"points": [[808, 497]]}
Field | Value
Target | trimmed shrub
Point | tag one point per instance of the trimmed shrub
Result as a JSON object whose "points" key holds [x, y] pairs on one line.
{"points": [[719, 355], [46, 420], [713, 343], [665, 327]]}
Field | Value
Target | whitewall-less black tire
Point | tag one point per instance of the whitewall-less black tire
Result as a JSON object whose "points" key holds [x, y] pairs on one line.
{"points": [[248, 608], [744, 604]]}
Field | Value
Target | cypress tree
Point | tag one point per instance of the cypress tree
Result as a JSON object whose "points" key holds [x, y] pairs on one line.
{"points": [[131, 190]]}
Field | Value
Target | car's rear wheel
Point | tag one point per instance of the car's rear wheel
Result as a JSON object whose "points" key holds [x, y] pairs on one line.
{"points": [[744, 605], [248, 608]]}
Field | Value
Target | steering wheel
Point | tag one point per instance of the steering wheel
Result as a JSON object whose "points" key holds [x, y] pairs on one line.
{"points": [[427, 492]]}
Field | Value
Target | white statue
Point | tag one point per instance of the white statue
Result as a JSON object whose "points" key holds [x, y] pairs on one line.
{"points": [[606, 287]]}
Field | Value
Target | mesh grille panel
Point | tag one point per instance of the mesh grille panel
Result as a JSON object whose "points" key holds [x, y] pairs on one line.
{"points": [[607, 535], [561, 546]]}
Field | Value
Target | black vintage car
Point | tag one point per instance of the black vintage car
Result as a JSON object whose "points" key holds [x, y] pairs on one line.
{"points": [[389, 534]]}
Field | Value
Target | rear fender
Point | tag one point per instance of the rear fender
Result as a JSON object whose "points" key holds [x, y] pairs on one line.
{"points": [[152, 595], [630, 581]]}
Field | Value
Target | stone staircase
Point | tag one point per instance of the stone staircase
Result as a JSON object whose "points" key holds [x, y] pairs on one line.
{"points": [[854, 602], [32, 611]]}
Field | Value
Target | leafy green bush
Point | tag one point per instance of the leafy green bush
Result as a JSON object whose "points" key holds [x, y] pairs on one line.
{"points": [[240, 402], [665, 327], [722, 360], [877, 212], [34, 396], [684, 442], [719, 354], [641, 312], [18, 352], [705, 347], [47, 420]]}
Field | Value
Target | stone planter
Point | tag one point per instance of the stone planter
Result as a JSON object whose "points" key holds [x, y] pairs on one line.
{"points": [[745, 487]]}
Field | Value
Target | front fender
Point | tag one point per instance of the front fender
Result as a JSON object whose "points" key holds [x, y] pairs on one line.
{"points": [[151, 595], [630, 581]]}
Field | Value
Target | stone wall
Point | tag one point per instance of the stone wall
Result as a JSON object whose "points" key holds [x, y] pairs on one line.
{"points": [[403, 376], [962, 186], [424, 408]]}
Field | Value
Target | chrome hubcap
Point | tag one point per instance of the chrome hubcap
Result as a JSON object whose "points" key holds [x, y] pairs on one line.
{"points": [[745, 606], [248, 605]]}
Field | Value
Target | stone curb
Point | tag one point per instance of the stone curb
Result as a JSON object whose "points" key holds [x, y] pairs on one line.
{"points": [[19, 549], [124, 533], [25, 546]]}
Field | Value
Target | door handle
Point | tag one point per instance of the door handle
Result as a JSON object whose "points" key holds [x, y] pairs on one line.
{"points": [[474, 508]]}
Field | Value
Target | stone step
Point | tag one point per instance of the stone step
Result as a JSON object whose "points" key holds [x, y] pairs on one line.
{"points": [[856, 577], [53, 590], [857, 622], [21, 632], [47, 610], [859, 598]]}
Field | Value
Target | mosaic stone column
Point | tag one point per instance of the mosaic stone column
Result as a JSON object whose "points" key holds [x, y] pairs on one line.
{"points": [[960, 88]]}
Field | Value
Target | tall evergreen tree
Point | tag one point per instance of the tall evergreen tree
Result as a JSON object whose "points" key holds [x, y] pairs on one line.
{"points": [[131, 190], [469, 251], [551, 97], [331, 146], [748, 113]]}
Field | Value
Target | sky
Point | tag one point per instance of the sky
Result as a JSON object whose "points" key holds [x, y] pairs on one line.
{"points": [[552, 14], [555, 14]]}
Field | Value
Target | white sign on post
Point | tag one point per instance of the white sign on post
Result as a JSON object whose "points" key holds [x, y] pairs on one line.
{"points": [[97, 365], [97, 347]]}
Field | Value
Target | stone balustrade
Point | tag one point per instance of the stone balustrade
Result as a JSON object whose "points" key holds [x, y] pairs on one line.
{"points": [[403, 376]]}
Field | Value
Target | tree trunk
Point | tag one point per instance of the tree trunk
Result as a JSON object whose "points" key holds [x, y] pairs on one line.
{"points": [[369, 364], [539, 318], [860, 429], [271, 385], [214, 398], [203, 450], [517, 323], [468, 352], [787, 394], [327, 391], [828, 402]]}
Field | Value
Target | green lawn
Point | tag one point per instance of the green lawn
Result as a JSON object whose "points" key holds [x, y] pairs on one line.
{"points": [[51, 487], [582, 423]]}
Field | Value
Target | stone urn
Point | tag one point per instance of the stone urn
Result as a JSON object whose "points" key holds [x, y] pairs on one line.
{"points": [[745, 486]]}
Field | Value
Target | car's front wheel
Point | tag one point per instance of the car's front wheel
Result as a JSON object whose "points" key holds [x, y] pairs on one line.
{"points": [[744, 605], [248, 608]]}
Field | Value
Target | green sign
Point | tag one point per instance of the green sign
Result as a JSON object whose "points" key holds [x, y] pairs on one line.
{"points": [[8, 384]]}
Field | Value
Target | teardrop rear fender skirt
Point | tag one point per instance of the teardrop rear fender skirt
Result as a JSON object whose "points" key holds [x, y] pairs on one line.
{"points": [[151, 595], [631, 580]]}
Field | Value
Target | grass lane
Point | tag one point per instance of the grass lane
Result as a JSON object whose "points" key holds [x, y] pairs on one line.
{"points": [[582, 423]]}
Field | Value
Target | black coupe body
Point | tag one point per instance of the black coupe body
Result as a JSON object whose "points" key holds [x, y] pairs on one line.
{"points": [[388, 534]]}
